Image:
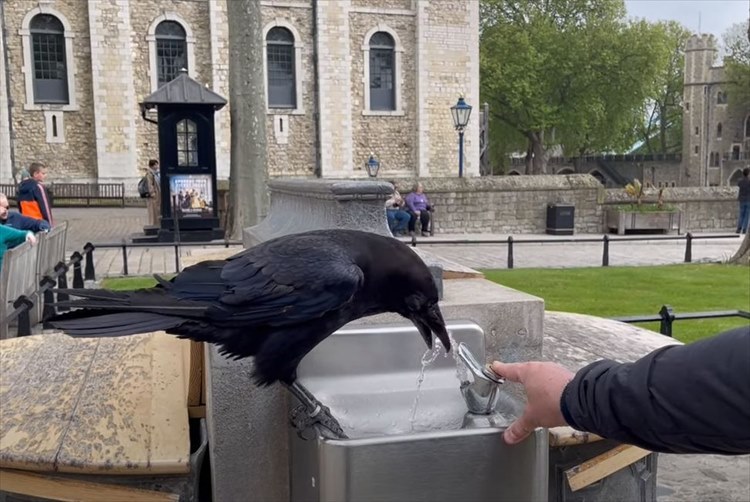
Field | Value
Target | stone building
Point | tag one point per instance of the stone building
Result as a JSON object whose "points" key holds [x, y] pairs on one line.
{"points": [[716, 136], [345, 78]]}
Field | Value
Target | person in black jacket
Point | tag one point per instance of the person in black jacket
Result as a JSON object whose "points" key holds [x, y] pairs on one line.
{"points": [[678, 399], [743, 220]]}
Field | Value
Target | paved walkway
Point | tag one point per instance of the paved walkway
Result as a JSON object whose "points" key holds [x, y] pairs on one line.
{"points": [[681, 477], [113, 225]]}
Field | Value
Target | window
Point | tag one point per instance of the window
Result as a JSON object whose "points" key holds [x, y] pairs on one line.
{"points": [[747, 126], [171, 51], [697, 131], [721, 98], [696, 149], [187, 143], [715, 159], [280, 61], [735, 152], [718, 130], [382, 72], [48, 54], [687, 106]]}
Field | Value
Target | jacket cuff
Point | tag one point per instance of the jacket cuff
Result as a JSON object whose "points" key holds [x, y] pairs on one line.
{"points": [[564, 406]]}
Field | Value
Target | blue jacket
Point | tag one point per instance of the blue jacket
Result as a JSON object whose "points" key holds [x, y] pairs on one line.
{"points": [[21, 222]]}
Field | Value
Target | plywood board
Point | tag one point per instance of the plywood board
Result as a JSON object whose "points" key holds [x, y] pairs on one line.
{"points": [[109, 405]]}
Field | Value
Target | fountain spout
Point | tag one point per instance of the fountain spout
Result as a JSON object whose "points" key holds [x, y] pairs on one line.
{"points": [[481, 389]]}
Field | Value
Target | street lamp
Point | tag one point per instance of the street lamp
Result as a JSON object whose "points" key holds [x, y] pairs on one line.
{"points": [[372, 165], [461, 112]]}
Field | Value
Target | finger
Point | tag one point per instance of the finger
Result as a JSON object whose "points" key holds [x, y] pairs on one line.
{"points": [[518, 431], [512, 371]]}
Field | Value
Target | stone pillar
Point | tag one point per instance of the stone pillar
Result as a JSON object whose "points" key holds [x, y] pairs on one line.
{"points": [[113, 90], [334, 77], [448, 66], [422, 76], [217, 19], [6, 167]]}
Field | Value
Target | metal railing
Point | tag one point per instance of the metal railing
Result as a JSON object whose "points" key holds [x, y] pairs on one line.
{"points": [[58, 277], [123, 246], [666, 317], [605, 240]]}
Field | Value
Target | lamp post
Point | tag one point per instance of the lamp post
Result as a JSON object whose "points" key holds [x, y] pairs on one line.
{"points": [[461, 112], [372, 165]]}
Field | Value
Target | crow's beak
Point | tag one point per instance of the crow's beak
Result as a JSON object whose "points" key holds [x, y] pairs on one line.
{"points": [[431, 321]]}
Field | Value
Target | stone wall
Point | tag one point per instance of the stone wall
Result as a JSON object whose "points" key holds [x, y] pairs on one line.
{"points": [[518, 204], [6, 167], [290, 134], [75, 157]]}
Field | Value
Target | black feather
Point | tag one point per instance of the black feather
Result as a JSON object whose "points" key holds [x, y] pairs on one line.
{"points": [[275, 301]]}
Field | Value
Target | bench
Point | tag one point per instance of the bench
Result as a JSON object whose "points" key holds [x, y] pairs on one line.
{"points": [[75, 194]]}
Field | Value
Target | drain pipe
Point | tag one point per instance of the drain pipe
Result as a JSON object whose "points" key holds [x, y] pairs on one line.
{"points": [[316, 90], [9, 111]]}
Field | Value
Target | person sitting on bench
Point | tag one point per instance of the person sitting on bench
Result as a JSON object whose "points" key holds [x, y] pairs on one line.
{"points": [[419, 208]]}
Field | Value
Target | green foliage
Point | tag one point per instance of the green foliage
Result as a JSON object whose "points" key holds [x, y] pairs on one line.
{"points": [[659, 124], [129, 283], [623, 291], [566, 72], [737, 64]]}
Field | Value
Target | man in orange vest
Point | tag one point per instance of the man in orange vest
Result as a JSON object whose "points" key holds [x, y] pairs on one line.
{"points": [[33, 200]]}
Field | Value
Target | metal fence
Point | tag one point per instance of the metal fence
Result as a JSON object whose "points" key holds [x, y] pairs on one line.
{"points": [[666, 317], [605, 240]]}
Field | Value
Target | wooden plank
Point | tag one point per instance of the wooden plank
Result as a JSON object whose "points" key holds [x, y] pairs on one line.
{"points": [[568, 436], [170, 436], [57, 488], [40, 400], [603, 465], [131, 417], [195, 385]]}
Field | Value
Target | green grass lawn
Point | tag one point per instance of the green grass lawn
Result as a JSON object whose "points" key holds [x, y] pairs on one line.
{"points": [[129, 283], [616, 291], [623, 291]]}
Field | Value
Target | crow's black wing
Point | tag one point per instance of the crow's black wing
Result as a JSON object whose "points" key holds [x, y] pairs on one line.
{"points": [[285, 282]]}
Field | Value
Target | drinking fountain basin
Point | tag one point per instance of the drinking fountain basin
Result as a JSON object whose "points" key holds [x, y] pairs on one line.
{"points": [[396, 450]]}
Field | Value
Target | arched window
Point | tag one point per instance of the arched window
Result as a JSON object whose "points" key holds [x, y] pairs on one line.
{"points": [[49, 59], [281, 65], [382, 72], [171, 50], [747, 126], [721, 98], [187, 143], [718, 130]]}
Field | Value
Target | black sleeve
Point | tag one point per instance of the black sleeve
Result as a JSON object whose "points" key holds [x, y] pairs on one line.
{"points": [[679, 399]]}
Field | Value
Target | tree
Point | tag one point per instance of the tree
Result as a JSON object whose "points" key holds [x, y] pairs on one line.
{"points": [[737, 64], [247, 171], [737, 67], [568, 72], [660, 127]]}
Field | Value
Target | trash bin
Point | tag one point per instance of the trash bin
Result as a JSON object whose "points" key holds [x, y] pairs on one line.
{"points": [[560, 219]]}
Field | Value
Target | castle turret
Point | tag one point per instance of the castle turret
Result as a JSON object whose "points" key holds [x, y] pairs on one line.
{"points": [[700, 55]]}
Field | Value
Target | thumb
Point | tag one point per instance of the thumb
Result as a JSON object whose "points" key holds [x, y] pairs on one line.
{"points": [[518, 430]]}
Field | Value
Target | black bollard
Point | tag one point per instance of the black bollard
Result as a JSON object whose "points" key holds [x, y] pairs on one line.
{"points": [[89, 273], [510, 251], [24, 320], [688, 248], [61, 269], [605, 251], [76, 258], [48, 309]]}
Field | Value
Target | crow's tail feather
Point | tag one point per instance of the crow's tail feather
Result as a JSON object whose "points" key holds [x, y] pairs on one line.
{"points": [[98, 323]]}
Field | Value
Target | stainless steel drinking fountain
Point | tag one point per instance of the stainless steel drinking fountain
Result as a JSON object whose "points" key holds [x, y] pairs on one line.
{"points": [[439, 450]]}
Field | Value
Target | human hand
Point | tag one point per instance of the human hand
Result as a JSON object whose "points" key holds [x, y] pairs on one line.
{"points": [[31, 238], [544, 384], [417, 213]]}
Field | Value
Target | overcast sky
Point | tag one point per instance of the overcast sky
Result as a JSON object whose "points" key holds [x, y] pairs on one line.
{"points": [[715, 15]]}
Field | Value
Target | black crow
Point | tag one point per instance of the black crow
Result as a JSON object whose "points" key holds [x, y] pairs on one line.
{"points": [[275, 301]]}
